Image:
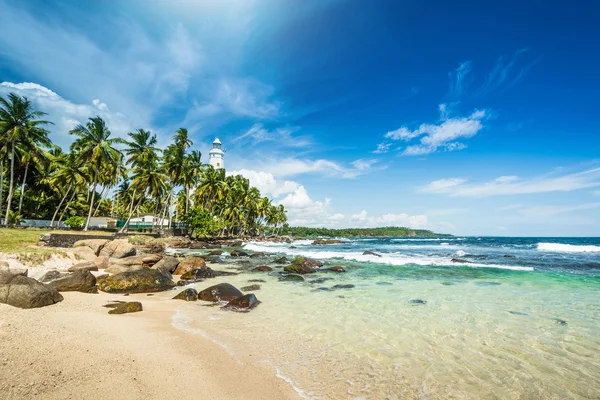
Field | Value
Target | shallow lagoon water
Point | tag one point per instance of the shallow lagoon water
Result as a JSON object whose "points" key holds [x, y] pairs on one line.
{"points": [[418, 330]]}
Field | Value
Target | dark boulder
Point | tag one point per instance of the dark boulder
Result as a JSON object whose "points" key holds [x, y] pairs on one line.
{"points": [[239, 253], [143, 280], [125, 308], [310, 262], [281, 260], [417, 301], [263, 268], [336, 268], [460, 261], [23, 292], [298, 269], [84, 266], [200, 274], [243, 303], [371, 253], [257, 280], [51, 275], [347, 286], [251, 288], [119, 248], [187, 295], [326, 241], [215, 253], [220, 292], [79, 281], [256, 255]]}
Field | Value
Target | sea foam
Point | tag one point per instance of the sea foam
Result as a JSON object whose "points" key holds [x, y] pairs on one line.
{"points": [[567, 248]]}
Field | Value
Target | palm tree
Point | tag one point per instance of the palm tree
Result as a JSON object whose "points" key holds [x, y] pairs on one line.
{"points": [[68, 172], [95, 145], [18, 120], [192, 170], [30, 152]]}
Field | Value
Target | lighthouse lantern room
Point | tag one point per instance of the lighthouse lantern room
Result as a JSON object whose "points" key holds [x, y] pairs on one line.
{"points": [[216, 155]]}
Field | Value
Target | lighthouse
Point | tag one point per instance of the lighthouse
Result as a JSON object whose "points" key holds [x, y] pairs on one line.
{"points": [[216, 155]]}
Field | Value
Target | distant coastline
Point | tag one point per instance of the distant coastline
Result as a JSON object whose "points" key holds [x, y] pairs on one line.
{"points": [[387, 231]]}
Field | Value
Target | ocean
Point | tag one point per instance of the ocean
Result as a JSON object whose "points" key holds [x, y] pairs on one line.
{"points": [[429, 318]]}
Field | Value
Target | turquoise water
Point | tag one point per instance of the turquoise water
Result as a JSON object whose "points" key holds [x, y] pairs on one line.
{"points": [[514, 318]]}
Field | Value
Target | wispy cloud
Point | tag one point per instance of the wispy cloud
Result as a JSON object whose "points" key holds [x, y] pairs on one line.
{"points": [[512, 185], [382, 148], [458, 79], [507, 72], [283, 136], [291, 167], [439, 136]]}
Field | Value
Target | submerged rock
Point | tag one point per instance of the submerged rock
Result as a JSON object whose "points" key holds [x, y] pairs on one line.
{"points": [[417, 301], [220, 292], [215, 253], [298, 269], [245, 302], [144, 280], [519, 313], [263, 268], [281, 260], [320, 280], [187, 295], [460, 261], [84, 266], [291, 278], [384, 283], [239, 253], [325, 241], [23, 292], [79, 281], [485, 283], [125, 308], [371, 253], [346, 286], [310, 262], [256, 280], [559, 321], [189, 264], [336, 268], [256, 255], [250, 288]]}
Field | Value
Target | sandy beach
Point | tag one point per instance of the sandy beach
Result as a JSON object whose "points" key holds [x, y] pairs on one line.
{"points": [[75, 350]]}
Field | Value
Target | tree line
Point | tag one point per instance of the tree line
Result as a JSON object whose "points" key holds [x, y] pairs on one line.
{"points": [[386, 231], [103, 175]]}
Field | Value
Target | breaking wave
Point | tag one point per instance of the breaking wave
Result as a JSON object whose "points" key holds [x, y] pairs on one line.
{"points": [[568, 248]]}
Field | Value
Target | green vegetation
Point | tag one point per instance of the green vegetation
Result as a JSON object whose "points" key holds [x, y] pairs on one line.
{"points": [[49, 183], [24, 240], [75, 222], [388, 231]]}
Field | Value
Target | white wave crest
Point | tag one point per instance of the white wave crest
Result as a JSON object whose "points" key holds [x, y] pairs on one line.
{"points": [[461, 253], [394, 258], [567, 248]]}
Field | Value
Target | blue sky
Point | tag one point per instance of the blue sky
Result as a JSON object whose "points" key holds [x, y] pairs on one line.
{"points": [[475, 118]]}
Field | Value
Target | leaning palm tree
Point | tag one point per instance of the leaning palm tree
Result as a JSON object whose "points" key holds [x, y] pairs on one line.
{"points": [[94, 144], [68, 173], [18, 120]]}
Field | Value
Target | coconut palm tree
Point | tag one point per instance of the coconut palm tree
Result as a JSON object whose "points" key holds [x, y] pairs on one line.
{"points": [[68, 173], [95, 145], [18, 121]]}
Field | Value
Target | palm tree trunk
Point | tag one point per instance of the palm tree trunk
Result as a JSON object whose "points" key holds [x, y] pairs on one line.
{"points": [[187, 200], [23, 187], [137, 205], [124, 228], [87, 222], [66, 208], [11, 182], [60, 204], [1, 184], [102, 198]]}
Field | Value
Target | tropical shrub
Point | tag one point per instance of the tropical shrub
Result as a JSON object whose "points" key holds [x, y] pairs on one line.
{"points": [[75, 222]]}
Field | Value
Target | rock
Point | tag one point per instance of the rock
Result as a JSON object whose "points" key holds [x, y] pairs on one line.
{"points": [[326, 241], [237, 244], [239, 253], [95, 244], [250, 288], [263, 268], [281, 260], [119, 248], [13, 270], [291, 278], [417, 301], [460, 261], [51, 275], [256, 255], [509, 256], [188, 264], [187, 295], [348, 286], [243, 262], [220, 292], [293, 247], [320, 280], [559, 321], [23, 292], [101, 262], [383, 283], [129, 261], [144, 280], [298, 269], [200, 274], [117, 269], [336, 268], [79, 281], [156, 246], [167, 264], [485, 283], [125, 308], [215, 253], [310, 262], [177, 242], [245, 302], [256, 280], [519, 313], [84, 266], [371, 253], [4, 264], [82, 253], [151, 259]]}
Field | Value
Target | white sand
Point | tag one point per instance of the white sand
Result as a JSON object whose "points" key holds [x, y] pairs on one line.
{"points": [[76, 350]]}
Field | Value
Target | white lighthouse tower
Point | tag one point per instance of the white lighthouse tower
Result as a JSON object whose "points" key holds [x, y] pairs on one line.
{"points": [[216, 155]]}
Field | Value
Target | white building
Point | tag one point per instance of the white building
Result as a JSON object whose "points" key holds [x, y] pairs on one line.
{"points": [[216, 155], [148, 220]]}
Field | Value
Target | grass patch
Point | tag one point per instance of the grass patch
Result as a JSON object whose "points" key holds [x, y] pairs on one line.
{"points": [[24, 241]]}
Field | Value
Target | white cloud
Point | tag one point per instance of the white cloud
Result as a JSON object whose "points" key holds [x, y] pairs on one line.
{"points": [[440, 136], [363, 164], [512, 185], [281, 136], [247, 97], [288, 167], [65, 114], [266, 183], [382, 148]]}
